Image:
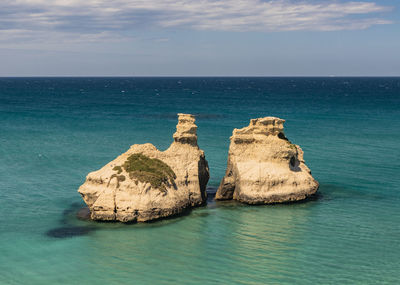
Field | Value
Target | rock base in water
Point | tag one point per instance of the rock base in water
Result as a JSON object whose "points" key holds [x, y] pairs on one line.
{"points": [[264, 167], [145, 184]]}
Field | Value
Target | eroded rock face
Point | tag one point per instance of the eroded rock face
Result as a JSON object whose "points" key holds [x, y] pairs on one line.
{"points": [[144, 183], [265, 167]]}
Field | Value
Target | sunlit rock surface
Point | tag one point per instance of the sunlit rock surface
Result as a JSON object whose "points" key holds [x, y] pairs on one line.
{"points": [[139, 186], [265, 167]]}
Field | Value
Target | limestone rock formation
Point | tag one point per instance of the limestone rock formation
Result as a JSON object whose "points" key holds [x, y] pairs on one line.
{"points": [[264, 166], [144, 183]]}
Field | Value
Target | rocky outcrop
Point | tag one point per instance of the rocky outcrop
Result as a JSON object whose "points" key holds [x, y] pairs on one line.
{"points": [[144, 183], [264, 166]]}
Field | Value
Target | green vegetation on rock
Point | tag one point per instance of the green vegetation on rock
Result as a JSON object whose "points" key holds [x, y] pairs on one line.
{"points": [[292, 146], [151, 170], [118, 169], [120, 178]]}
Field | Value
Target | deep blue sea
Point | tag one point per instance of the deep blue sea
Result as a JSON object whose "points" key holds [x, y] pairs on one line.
{"points": [[53, 131]]}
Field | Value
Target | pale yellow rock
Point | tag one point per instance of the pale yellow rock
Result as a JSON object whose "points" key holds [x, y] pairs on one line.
{"points": [[131, 200], [265, 167]]}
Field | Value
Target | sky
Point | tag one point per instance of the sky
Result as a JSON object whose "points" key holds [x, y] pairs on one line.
{"points": [[199, 38]]}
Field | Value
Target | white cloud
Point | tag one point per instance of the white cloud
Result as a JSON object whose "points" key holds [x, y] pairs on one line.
{"points": [[100, 19]]}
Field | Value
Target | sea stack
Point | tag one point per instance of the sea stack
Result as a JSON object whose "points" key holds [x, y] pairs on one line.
{"points": [[144, 183], [264, 167]]}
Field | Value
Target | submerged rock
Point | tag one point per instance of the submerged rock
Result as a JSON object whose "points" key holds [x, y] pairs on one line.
{"points": [[144, 183], [265, 167]]}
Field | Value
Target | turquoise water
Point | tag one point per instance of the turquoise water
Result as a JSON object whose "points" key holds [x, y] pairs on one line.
{"points": [[53, 131]]}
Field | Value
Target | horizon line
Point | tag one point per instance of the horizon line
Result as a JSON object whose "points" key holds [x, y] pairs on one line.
{"points": [[201, 76]]}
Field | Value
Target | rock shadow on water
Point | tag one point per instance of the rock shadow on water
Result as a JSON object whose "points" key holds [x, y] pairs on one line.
{"points": [[70, 212], [69, 232], [67, 228], [233, 204], [211, 202], [326, 193], [76, 221], [211, 191]]}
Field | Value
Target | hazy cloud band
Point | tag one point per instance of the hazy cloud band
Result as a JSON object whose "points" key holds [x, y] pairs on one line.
{"points": [[101, 19]]}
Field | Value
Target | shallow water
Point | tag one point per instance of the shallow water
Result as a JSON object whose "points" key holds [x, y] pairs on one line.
{"points": [[53, 131]]}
